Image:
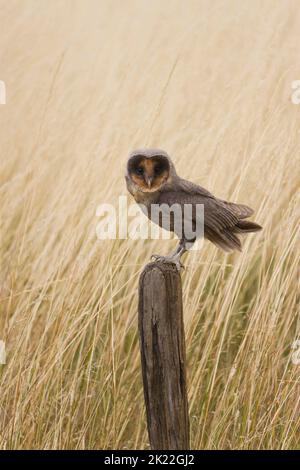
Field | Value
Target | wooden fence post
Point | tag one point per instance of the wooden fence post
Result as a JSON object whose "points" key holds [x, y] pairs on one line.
{"points": [[162, 345]]}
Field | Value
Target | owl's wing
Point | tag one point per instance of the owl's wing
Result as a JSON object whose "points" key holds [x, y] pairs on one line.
{"points": [[240, 210], [220, 222], [191, 188]]}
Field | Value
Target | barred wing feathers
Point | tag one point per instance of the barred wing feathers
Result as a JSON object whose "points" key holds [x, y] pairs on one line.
{"points": [[222, 220]]}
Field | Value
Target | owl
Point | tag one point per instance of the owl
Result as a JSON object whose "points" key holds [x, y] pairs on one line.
{"points": [[152, 180]]}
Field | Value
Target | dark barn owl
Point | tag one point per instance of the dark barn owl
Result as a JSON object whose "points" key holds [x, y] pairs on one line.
{"points": [[152, 180]]}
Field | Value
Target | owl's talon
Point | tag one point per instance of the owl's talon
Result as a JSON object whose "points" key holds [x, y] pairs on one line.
{"points": [[178, 265], [162, 259], [169, 259], [181, 266]]}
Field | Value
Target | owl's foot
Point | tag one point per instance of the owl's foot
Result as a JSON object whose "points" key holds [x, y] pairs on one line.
{"points": [[175, 259]]}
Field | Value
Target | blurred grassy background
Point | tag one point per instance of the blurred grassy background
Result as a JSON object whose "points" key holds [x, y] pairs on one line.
{"points": [[87, 81]]}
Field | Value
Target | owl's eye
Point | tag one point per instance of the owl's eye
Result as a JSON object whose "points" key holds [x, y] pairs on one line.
{"points": [[158, 169], [139, 170]]}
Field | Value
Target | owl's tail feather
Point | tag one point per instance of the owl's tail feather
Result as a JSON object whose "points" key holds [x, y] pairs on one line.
{"points": [[227, 238], [245, 226]]}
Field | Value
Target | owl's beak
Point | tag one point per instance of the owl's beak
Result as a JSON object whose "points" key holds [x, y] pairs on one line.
{"points": [[149, 181]]}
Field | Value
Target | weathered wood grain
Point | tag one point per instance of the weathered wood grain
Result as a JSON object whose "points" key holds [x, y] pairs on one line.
{"points": [[162, 345]]}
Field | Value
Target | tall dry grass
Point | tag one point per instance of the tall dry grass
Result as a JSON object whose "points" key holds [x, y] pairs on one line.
{"points": [[87, 81]]}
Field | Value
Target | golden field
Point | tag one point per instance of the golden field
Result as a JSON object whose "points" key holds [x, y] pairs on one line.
{"points": [[87, 81]]}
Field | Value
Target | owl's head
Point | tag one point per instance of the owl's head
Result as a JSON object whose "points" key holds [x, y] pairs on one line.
{"points": [[148, 169]]}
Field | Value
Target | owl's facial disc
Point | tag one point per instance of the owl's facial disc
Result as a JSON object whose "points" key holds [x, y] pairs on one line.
{"points": [[149, 174]]}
